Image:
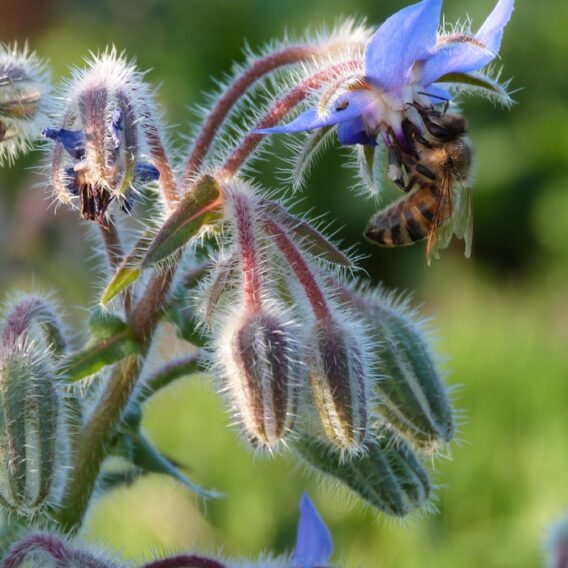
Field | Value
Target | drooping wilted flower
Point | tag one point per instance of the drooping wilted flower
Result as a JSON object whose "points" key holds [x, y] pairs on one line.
{"points": [[24, 100], [406, 65], [107, 132]]}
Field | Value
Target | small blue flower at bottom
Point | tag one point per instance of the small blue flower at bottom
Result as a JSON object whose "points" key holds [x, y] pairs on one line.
{"points": [[408, 62], [313, 542]]}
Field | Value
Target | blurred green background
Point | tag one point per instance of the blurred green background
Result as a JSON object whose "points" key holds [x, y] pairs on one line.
{"points": [[502, 316]]}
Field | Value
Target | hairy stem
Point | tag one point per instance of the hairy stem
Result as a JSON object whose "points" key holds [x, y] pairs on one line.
{"points": [[98, 431], [301, 269], [167, 181], [279, 110], [185, 561], [259, 68], [52, 546]]}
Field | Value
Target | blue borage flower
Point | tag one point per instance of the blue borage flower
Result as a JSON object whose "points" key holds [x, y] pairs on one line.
{"points": [[313, 542], [407, 63]]}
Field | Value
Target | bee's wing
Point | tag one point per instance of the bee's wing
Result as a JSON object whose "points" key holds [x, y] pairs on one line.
{"points": [[463, 219], [441, 230]]}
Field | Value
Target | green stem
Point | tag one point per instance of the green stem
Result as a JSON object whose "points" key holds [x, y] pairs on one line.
{"points": [[97, 433]]}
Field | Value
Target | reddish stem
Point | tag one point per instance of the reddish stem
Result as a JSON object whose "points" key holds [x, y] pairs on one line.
{"points": [[279, 110], [54, 547], [301, 269], [167, 181], [259, 68], [244, 222], [185, 561]]}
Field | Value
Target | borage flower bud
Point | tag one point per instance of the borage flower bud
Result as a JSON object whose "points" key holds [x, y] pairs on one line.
{"points": [[412, 397], [107, 131], [264, 371], [24, 100], [32, 451], [388, 476], [44, 550], [338, 377]]}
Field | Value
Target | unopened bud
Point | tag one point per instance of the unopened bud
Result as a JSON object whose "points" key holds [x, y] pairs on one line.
{"points": [[338, 378], [44, 550], [264, 373], [31, 448], [388, 476], [24, 91], [411, 394]]}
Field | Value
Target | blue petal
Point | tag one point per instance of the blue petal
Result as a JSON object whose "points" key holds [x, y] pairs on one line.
{"points": [[353, 132], [347, 107], [73, 140], [491, 32], [437, 94], [146, 172], [467, 56], [406, 37], [313, 543]]}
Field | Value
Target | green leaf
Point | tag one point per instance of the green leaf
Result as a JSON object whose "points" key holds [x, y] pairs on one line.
{"points": [[129, 270], [199, 207], [137, 449], [111, 340]]}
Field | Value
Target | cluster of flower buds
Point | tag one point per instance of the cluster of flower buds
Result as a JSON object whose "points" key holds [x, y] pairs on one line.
{"points": [[44, 550], [279, 330], [106, 134], [24, 100], [33, 441], [294, 342]]}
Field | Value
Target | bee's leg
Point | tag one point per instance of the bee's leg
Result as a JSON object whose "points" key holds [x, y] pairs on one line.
{"points": [[425, 172], [395, 172], [412, 134]]}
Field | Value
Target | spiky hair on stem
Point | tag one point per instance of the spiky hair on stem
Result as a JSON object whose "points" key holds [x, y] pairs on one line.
{"points": [[25, 100], [109, 139], [264, 76]]}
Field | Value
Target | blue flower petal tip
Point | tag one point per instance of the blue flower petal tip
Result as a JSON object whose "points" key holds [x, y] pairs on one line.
{"points": [[314, 545], [402, 63]]}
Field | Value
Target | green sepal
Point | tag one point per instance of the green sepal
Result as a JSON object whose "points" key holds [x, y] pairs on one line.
{"points": [[200, 206], [474, 80], [388, 476], [133, 446], [111, 340], [129, 270], [412, 396]]}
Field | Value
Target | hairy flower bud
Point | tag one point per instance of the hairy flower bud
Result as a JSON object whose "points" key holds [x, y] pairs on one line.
{"points": [[263, 371], [338, 378], [411, 394], [31, 451], [24, 100], [106, 133], [44, 550], [388, 476]]}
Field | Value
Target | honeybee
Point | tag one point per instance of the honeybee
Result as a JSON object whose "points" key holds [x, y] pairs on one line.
{"points": [[438, 205]]}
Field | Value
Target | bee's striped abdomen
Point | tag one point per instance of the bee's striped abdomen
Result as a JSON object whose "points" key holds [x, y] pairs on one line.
{"points": [[406, 221]]}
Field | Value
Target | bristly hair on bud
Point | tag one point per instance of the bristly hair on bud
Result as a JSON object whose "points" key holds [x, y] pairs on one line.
{"points": [[25, 100], [108, 138], [34, 438], [389, 476], [411, 396], [33, 444], [46, 550], [257, 353]]}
